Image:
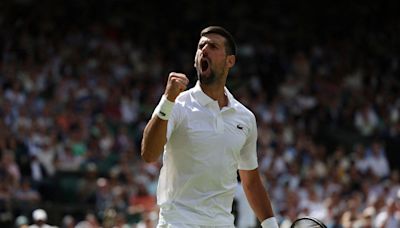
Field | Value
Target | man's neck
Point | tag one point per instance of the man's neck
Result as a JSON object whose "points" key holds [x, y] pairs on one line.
{"points": [[217, 93]]}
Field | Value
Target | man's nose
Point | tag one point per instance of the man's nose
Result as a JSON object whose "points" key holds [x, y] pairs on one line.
{"points": [[204, 50]]}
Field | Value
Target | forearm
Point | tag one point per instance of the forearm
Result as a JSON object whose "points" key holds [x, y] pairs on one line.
{"points": [[259, 200], [258, 197], [155, 132], [154, 139]]}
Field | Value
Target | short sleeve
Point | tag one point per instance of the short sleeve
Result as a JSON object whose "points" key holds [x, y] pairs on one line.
{"points": [[248, 153], [175, 119]]}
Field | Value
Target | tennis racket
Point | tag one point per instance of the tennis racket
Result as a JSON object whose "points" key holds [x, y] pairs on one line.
{"points": [[307, 222]]}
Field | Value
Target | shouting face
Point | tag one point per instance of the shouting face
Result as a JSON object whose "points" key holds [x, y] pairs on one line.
{"points": [[211, 61]]}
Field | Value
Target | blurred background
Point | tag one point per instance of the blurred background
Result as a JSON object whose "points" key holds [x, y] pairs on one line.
{"points": [[80, 79]]}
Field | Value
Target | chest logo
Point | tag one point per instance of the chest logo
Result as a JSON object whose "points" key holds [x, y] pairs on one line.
{"points": [[239, 126]]}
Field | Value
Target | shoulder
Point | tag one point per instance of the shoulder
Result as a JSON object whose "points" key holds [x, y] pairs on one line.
{"points": [[184, 98], [238, 106], [243, 110], [181, 104]]}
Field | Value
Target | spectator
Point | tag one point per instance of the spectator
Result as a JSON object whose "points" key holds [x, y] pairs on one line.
{"points": [[46, 156], [390, 215], [89, 221], [6, 193], [142, 202], [104, 197], [377, 161], [26, 197], [39, 217], [67, 161], [88, 85], [10, 167], [149, 220], [21, 222], [88, 184], [68, 221], [366, 120], [360, 158]]}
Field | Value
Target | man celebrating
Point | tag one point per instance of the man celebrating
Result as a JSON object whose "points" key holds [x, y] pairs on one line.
{"points": [[205, 136]]}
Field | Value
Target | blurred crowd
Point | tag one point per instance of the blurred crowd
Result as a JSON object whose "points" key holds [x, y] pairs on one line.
{"points": [[80, 79]]}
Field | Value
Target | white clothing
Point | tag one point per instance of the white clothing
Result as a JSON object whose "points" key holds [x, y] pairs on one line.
{"points": [[367, 122], [379, 165], [385, 220], [42, 226], [46, 157], [362, 165], [205, 147], [246, 217]]}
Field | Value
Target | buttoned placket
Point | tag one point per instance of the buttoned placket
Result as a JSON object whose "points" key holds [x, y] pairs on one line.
{"points": [[218, 115], [218, 122]]}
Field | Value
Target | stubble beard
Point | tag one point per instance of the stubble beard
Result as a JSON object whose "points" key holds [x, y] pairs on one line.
{"points": [[206, 80]]}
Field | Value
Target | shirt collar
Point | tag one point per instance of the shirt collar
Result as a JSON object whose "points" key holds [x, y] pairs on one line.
{"points": [[204, 99]]}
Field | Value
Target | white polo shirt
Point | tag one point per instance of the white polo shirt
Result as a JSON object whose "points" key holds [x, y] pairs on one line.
{"points": [[205, 147]]}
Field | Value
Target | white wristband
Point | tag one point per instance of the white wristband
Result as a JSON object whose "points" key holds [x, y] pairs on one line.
{"points": [[270, 223], [164, 108]]}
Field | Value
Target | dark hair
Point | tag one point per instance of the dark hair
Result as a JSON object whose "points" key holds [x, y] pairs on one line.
{"points": [[230, 44]]}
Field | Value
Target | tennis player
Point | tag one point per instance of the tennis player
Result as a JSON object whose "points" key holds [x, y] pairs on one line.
{"points": [[205, 135]]}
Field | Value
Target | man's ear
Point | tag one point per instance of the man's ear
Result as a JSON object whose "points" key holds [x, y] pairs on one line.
{"points": [[231, 60]]}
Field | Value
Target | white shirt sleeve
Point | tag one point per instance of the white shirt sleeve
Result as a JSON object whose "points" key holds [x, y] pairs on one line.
{"points": [[174, 119], [248, 153]]}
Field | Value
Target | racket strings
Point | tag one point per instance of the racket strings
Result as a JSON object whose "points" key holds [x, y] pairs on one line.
{"points": [[307, 223]]}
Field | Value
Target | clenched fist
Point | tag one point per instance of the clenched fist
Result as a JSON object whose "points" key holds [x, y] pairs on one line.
{"points": [[177, 83]]}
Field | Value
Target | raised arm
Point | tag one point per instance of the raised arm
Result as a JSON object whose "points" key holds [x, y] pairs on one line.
{"points": [[155, 132]]}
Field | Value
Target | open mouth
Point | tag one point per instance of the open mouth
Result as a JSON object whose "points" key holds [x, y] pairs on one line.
{"points": [[204, 65]]}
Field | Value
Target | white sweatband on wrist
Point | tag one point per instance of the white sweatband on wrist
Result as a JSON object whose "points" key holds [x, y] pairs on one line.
{"points": [[164, 108], [270, 223]]}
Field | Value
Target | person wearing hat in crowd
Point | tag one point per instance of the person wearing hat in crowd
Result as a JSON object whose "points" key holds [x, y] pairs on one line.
{"points": [[21, 222], [39, 217]]}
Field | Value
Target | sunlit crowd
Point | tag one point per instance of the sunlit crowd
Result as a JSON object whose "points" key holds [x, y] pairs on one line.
{"points": [[75, 98]]}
